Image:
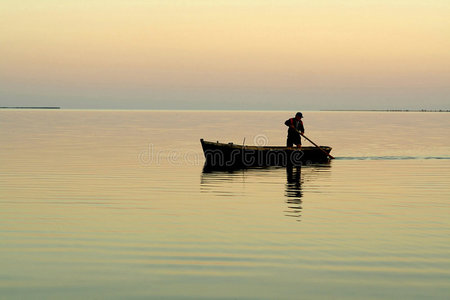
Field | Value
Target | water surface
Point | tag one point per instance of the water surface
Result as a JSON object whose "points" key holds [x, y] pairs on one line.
{"points": [[114, 204]]}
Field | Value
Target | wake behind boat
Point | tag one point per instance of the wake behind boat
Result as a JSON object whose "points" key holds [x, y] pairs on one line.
{"points": [[221, 155]]}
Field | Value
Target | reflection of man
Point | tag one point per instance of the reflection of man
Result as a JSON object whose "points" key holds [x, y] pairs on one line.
{"points": [[293, 185], [295, 126], [294, 192]]}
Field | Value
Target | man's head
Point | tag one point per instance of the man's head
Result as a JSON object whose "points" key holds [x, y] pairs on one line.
{"points": [[299, 116]]}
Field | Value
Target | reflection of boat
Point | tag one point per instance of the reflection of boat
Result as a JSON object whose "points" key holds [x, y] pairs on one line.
{"points": [[220, 155]]}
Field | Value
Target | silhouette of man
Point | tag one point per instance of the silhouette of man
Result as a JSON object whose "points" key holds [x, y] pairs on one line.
{"points": [[295, 129]]}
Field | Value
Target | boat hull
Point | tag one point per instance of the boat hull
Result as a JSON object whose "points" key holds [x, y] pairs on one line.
{"points": [[220, 155]]}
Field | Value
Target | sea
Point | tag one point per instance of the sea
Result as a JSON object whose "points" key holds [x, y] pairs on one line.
{"points": [[114, 204]]}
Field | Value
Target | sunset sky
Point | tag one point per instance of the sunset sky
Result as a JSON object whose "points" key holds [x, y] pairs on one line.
{"points": [[225, 54]]}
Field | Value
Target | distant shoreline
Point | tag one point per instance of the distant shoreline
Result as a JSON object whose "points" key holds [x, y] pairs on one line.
{"points": [[237, 110], [391, 110], [30, 107]]}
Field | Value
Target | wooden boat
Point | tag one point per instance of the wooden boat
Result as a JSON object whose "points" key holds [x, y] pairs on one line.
{"points": [[221, 155]]}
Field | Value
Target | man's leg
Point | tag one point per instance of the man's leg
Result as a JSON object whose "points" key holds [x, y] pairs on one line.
{"points": [[289, 143], [298, 142]]}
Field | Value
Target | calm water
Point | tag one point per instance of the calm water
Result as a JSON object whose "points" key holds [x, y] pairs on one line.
{"points": [[114, 204]]}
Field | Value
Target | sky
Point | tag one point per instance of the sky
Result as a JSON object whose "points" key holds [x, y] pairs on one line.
{"points": [[225, 54]]}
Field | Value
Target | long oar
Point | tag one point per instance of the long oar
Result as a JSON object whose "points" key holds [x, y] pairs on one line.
{"points": [[328, 154]]}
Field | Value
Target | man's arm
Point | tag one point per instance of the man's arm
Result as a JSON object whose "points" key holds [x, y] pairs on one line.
{"points": [[302, 129], [290, 124]]}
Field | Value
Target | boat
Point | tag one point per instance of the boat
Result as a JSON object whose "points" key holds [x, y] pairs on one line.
{"points": [[230, 155]]}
